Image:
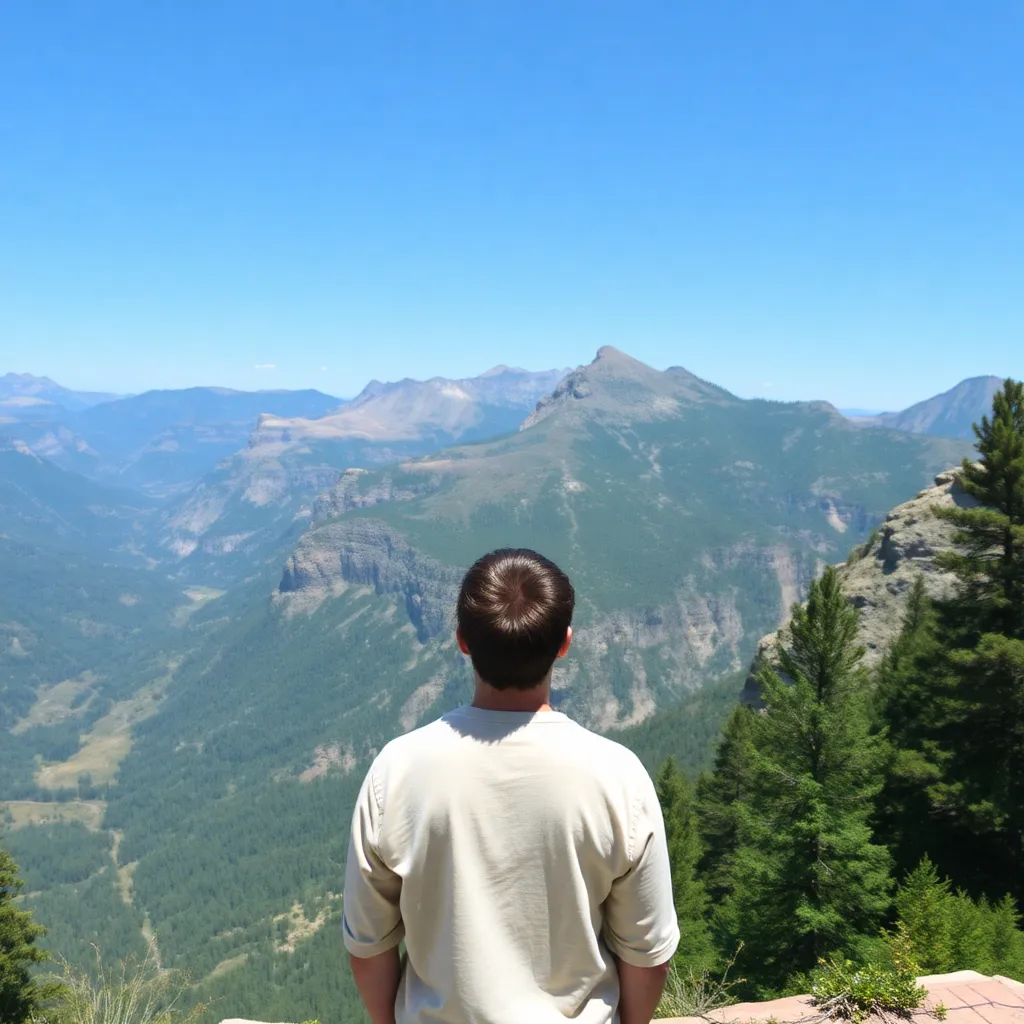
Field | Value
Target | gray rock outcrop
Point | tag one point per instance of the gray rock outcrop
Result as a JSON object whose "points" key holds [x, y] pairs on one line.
{"points": [[366, 552], [879, 575]]}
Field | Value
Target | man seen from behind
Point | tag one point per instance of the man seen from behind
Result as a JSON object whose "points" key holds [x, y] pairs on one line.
{"points": [[521, 858]]}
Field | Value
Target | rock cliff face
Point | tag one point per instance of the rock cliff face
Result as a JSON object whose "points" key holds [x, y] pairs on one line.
{"points": [[879, 574], [365, 552]]}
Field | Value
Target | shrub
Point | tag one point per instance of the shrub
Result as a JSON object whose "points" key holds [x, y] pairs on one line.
{"points": [[844, 990]]}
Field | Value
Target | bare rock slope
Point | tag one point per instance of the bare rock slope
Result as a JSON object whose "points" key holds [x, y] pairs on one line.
{"points": [[879, 575]]}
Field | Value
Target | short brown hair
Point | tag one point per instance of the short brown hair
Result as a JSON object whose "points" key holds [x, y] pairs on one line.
{"points": [[514, 609]]}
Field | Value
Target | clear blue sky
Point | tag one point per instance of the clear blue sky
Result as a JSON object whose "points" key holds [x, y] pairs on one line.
{"points": [[801, 200]]}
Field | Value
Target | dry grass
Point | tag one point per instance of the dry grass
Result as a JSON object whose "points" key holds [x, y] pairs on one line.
{"points": [[301, 927], [137, 993], [32, 812], [125, 872], [197, 596], [53, 703], [692, 993], [327, 757], [105, 746], [228, 965]]}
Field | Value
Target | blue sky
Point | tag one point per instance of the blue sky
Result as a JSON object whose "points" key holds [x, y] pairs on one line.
{"points": [[800, 200]]}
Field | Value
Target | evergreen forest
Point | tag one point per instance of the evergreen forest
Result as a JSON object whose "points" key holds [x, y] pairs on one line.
{"points": [[851, 806]]}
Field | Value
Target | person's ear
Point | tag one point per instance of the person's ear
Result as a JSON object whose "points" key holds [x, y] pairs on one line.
{"points": [[564, 649], [463, 646]]}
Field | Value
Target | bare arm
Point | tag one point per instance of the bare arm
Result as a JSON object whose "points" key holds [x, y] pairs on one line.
{"points": [[377, 979], [640, 991]]}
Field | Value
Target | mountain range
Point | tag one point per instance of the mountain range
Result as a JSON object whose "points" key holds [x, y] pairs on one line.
{"points": [[193, 689], [161, 442], [951, 414], [22, 394]]}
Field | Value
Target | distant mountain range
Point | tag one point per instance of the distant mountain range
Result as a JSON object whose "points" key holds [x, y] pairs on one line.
{"points": [[951, 414], [427, 413], [160, 442], [164, 442], [24, 393]]}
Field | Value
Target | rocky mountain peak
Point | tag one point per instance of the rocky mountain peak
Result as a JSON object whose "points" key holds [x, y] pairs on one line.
{"points": [[951, 414], [617, 386]]}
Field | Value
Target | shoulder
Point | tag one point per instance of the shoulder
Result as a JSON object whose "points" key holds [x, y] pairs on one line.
{"points": [[617, 768], [403, 749], [615, 754]]}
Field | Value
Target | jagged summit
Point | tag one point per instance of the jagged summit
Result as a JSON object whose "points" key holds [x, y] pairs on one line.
{"points": [[616, 385], [609, 355]]}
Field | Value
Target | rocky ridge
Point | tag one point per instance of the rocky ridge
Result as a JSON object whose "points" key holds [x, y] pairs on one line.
{"points": [[410, 411], [951, 414], [880, 573]]}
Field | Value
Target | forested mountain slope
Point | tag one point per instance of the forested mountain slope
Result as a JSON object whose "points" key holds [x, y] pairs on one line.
{"points": [[41, 503], [689, 519], [83, 623]]}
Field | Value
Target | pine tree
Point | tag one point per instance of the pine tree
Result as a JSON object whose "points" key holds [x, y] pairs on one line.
{"points": [[809, 879], [20, 994], [911, 700], [719, 794], [924, 905], [990, 562], [951, 932], [968, 936], [1006, 942], [983, 782], [678, 805]]}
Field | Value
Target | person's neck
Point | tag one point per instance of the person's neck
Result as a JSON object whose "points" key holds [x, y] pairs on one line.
{"points": [[537, 698]]}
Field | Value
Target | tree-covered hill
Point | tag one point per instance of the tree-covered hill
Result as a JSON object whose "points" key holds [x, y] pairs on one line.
{"points": [[43, 504]]}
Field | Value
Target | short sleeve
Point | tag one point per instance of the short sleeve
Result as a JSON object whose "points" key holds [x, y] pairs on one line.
{"points": [[640, 914], [372, 920]]}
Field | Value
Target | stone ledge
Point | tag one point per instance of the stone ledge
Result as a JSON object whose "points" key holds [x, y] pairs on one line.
{"points": [[969, 998]]}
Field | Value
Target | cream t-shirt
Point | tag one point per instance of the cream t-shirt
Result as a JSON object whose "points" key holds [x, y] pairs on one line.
{"points": [[515, 852]]}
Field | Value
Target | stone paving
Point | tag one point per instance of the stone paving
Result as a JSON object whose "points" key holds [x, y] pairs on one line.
{"points": [[969, 998]]}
